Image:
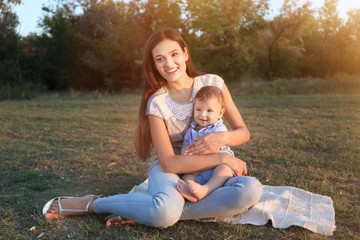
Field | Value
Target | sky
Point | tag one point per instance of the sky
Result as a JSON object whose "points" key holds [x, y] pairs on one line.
{"points": [[29, 12]]}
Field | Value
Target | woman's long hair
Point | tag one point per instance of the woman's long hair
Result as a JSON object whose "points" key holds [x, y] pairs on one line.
{"points": [[152, 82]]}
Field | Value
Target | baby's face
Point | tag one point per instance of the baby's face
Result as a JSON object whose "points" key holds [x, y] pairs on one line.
{"points": [[207, 112]]}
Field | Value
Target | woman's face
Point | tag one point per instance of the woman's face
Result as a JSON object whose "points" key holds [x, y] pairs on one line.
{"points": [[170, 60]]}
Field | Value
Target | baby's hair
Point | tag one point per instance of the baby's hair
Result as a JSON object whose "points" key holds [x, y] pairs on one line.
{"points": [[208, 92]]}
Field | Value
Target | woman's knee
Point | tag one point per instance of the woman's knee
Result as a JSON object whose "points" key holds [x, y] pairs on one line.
{"points": [[255, 189], [249, 191], [166, 213]]}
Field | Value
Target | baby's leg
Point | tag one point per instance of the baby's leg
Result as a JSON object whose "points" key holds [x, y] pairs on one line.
{"points": [[184, 189], [221, 174]]}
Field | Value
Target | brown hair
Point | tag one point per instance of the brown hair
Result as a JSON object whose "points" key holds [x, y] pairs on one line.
{"points": [[210, 92], [152, 82]]}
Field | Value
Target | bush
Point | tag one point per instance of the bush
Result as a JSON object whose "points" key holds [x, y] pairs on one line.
{"points": [[343, 82], [340, 83], [24, 91], [306, 85]]}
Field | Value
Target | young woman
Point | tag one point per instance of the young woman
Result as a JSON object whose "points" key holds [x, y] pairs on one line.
{"points": [[171, 83]]}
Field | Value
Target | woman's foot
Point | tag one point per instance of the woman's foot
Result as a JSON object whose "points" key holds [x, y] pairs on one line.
{"points": [[117, 220], [70, 206], [184, 190], [197, 190]]}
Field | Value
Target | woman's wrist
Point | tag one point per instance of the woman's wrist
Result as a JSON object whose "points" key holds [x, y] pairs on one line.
{"points": [[223, 158], [225, 138], [236, 137]]}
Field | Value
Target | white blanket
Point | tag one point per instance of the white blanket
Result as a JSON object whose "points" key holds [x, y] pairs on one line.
{"points": [[285, 207]]}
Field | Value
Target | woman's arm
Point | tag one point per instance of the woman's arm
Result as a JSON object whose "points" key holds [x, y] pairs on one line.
{"points": [[212, 142], [172, 163]]}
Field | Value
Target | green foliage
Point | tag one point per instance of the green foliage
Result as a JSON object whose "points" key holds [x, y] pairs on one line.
{"points": [[32, 59], [343, 82], [13, 82], [58, 43], [229, 32], [25, 91], [297, 86], [8, 71], [110, 50], [9, 50], [89, 45], [284, 39]]}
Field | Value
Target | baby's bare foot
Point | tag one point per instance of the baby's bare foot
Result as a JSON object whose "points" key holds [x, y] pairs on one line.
{"points": [[184, 190], [76, 203], [199, 191]]}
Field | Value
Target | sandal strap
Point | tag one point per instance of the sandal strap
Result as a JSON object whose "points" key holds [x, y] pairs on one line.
{"points": [[86, 210], [110, 216], [93, 198]]}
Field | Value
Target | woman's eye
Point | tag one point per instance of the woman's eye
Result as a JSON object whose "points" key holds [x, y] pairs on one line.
{"points": [[159, 59]]}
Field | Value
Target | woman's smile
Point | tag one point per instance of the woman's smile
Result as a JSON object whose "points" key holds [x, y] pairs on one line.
{"points": [[172, 70]]}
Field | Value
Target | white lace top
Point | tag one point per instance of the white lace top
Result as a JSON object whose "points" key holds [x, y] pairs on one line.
{"points": [[178, 116]]}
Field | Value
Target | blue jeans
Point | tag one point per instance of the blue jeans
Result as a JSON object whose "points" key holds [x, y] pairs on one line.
{"points": [[205, 176], [164, 205]]}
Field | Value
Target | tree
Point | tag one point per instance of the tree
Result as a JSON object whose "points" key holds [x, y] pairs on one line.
{"points": [[58, 46], [284, 39], [111, 36], [159, 13], [32, 59], [331, 48], [228, 31], [108, 47], [350, 59], [8, 19], [9, 47]]}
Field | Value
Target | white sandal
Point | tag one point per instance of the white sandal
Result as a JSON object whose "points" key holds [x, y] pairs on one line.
{"points": [[120, 220], [47, 206]]}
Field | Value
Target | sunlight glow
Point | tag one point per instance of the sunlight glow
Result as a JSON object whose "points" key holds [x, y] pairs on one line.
{"points": [[29, 12]]}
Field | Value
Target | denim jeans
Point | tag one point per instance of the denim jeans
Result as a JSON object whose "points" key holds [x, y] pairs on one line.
{"points": [[164, 205]]}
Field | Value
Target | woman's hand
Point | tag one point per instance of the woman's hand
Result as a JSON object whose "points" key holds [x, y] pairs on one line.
{"points": [[207, 144], [236, 164]]}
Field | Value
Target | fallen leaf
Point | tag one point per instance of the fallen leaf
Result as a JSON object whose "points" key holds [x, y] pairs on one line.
{"points": [[40, 235]]}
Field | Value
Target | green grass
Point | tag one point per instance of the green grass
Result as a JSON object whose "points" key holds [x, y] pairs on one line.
{"points": [[77, 144]]}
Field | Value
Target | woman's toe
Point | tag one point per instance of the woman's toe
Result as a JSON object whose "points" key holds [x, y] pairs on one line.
{"points": [[51, 215], [113, 221]]}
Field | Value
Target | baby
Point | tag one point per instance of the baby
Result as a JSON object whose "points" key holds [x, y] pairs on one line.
{"points": [[208, 110]]}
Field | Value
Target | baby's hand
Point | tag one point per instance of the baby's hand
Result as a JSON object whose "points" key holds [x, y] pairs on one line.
{"points": [[184, 152]]}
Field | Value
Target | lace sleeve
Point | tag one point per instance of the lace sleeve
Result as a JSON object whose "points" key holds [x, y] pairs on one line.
{"points": [[215, 80], [210, 80], [153, 108]]}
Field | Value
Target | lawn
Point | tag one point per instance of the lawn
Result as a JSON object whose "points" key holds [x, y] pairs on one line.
{"points": [[78, 144]]}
